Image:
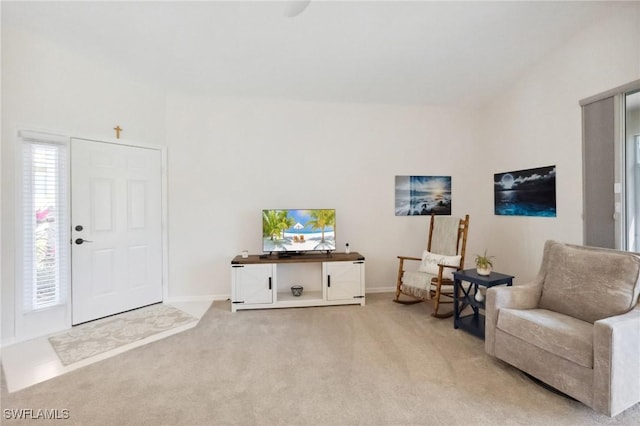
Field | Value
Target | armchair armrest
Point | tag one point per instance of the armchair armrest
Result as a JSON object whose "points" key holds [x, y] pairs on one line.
{"points": [[518, 297], [409, 258], [449, 278], [401, 271], [616, 362], [401, 267]]}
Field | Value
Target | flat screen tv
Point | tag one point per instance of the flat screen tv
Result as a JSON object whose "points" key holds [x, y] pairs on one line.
{"points": [[298, 231]]}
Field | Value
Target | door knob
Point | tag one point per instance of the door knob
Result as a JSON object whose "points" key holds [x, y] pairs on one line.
{"points": [[80, 241]]}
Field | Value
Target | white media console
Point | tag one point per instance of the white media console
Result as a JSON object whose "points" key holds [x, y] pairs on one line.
{"points": [[264, 282]]}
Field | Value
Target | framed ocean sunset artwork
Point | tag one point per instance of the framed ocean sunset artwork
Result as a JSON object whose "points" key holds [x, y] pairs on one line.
{"points": [[530, 192], [423, 195]]}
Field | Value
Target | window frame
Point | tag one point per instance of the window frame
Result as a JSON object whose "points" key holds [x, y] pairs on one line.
{"points": [[24, 291], [620, 153]]}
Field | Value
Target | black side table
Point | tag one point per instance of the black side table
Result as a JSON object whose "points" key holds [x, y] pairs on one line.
{"points": [[473, 323]]}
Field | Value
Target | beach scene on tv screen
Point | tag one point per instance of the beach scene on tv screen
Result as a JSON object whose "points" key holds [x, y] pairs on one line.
{"points": [[298, 230]]}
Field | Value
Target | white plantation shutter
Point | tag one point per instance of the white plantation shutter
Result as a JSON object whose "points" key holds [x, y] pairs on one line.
{"points": [[45, 213]]}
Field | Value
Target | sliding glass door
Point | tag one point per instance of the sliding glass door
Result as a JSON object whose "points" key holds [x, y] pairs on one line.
{"points": [[632, 170], [611, 168]]}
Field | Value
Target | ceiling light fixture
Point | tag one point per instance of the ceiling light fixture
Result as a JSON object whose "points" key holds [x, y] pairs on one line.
{"points": [[295, 7]]}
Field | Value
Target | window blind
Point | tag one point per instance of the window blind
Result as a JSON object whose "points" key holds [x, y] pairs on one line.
{"points": [[45, 214], [598, 130]]}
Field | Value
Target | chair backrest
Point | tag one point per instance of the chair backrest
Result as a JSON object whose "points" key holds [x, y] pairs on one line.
{"points": [[588, 283], [448, 236]]}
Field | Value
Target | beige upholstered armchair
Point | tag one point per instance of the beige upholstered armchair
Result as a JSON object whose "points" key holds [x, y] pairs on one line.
{"points": [[576, 327]]}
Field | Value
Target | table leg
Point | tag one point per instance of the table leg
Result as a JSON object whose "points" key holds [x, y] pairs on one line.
{"points": [[476, 309], [456, 309]]}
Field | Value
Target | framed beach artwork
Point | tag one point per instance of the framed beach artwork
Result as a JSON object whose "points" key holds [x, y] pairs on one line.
{"points": [[423, 195], [530, 192]]}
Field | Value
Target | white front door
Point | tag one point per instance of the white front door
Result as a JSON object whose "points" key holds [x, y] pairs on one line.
{"points": [[116, 228]]}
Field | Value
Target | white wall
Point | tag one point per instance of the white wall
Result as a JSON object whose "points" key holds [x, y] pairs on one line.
{"points": [[46, 86], [537, 122], [231, 158]]}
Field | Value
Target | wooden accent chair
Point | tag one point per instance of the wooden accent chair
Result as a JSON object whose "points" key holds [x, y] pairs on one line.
{"points": [[433, 279]]}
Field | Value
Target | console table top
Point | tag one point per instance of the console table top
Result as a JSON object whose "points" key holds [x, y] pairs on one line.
{"points": [[297, 258]]}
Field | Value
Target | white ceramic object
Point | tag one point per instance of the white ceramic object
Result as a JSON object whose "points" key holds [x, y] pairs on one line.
{"points": [[484, 271]]}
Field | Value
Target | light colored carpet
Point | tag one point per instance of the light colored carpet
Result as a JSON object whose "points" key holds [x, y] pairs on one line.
{"points": [[381, 364], [87, 340]]}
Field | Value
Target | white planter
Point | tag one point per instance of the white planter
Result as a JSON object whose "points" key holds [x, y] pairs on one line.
{"points": [[484, 271]]}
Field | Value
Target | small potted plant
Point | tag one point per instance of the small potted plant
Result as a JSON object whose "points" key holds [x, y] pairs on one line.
{"points": [[484, 263]]}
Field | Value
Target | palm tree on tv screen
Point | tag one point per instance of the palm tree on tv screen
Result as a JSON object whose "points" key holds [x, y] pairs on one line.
{"points": [[284, 221], [270, 224], [320, 219]]}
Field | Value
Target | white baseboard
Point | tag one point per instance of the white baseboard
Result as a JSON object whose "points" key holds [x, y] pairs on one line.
{"points": [[381, 290], [220, 297], [204, 298]]}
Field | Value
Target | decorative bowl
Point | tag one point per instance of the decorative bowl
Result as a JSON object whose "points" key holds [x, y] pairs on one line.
{"points": [[296, 290]]}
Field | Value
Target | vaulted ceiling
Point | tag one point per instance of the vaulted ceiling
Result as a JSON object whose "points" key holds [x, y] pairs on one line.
{"points": [[416, 52]]}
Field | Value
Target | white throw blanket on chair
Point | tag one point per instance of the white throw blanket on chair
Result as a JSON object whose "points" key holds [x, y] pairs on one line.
{"points": [[443, 241]]}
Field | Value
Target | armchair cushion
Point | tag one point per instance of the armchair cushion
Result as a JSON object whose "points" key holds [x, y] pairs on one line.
{"points": [[589, 284], [564, 336], [431, 261]]}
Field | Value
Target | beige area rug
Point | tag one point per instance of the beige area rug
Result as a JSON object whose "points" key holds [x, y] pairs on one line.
{"points": [[87, 340]]}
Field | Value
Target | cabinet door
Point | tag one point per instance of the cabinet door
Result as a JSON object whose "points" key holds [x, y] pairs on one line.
{"points": [[344, 280], [252, 284]]}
